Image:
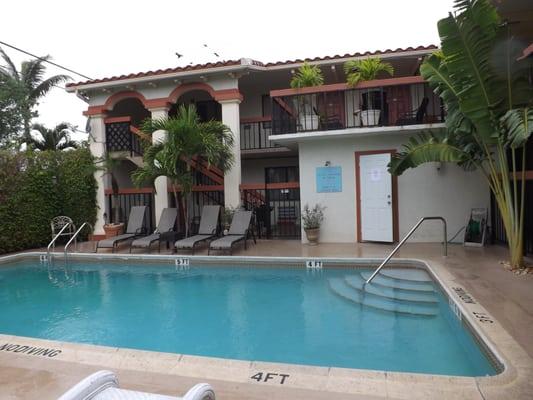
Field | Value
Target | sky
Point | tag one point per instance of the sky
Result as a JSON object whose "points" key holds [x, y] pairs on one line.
{"points": [[104, 38]]}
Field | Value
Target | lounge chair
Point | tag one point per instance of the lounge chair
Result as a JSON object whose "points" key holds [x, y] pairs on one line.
{"points": [[238, 232], [103, 385], [414, 116], [165, 225], [206, 231], [135, 228]]}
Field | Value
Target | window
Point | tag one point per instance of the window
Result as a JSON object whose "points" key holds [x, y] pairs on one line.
{"points": [[282, 174]]}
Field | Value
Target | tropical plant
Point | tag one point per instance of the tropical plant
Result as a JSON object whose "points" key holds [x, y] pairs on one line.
{"points": [[366, 69], [187, 139], [489, 120], [52, 139], [109, 164], [30, 82], [307, 75], [11, 112], [313, 217]]}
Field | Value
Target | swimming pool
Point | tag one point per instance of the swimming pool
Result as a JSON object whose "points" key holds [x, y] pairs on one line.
{"points": [[285, 313]]}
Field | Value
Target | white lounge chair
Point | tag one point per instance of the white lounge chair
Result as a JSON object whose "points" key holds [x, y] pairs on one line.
{"points": [[103, 385]]}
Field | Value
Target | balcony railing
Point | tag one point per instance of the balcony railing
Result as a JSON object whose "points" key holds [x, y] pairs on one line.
{"points": [[123, 137], [255, 133], [385, 102]]}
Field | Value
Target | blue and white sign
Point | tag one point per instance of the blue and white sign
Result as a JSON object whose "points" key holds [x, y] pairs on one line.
{"points": [[328, 179]]}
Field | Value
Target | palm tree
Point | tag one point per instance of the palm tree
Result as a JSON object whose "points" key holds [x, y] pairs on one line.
{"points": [[306, 76], [488, 102], [52, 139], [366, 69], [30, 80], [187, 139]]}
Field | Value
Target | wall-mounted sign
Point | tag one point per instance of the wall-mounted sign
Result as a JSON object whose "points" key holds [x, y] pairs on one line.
{"points": [[328, 179]]}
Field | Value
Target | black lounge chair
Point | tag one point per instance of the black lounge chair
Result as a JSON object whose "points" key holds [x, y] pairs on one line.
{"points": [[165, 225], [415, 116], [206, 231], [238, 231], [135, 228]]}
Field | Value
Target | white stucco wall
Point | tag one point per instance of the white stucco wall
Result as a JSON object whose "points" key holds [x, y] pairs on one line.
{"points": [[424, 191]]}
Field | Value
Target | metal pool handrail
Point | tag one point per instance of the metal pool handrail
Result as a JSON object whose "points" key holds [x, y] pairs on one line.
{"points": [[74, 236], [444, 243], [54, 240]]}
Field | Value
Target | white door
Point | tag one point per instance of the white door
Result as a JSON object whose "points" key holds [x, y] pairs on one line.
{"points": [[375, 198]]}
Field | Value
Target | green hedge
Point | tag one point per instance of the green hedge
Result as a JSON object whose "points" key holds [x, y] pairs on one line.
{"points": [[37, 186]]}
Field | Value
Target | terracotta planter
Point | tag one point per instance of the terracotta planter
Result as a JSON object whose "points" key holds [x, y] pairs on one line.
{"points": [[113, 230], [312, 236]]}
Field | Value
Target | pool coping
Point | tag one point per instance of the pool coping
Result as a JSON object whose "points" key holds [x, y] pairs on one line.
{"points": [[516, 365]]}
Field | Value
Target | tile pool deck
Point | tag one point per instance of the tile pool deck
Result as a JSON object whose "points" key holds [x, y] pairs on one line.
{"points": [[507, 299]]}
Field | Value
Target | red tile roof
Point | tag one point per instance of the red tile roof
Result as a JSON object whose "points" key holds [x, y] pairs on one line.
{"points": [[257, 63], [348, 55]]}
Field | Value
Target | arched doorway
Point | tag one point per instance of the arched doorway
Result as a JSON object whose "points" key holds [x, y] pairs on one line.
{"points": [[207, 108]]}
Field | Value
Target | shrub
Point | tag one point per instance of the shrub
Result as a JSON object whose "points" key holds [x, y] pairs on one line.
{"points": [[37, 186]]}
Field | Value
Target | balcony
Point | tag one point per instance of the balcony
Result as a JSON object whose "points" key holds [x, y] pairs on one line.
{"points": [[255, 133], [385, 102], [121, 136]]}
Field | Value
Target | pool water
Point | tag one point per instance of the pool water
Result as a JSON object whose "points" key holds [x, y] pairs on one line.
{"points": [[287, 315]]}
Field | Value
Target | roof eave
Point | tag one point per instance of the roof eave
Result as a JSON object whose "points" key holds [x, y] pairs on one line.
{"points": [[158, 77]]}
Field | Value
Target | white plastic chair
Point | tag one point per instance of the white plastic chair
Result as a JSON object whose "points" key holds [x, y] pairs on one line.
{"points": [[103, 385]]}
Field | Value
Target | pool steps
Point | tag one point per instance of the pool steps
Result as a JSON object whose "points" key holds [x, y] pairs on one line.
{"points": [[395, 293], [357, 282], [416, 286]]}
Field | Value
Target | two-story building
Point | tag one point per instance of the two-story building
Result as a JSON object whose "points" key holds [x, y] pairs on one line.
{"points": [[328, 144]]}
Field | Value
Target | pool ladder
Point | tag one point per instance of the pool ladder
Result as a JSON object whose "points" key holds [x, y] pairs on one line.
{"points": [[73, 238], [413, 229], [51, 245]]}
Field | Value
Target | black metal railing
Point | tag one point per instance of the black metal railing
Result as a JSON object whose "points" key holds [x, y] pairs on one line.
{"points": [[255, 134], [277, 211], [119, 137], [395, 105], [498, 230], [124, 202]]}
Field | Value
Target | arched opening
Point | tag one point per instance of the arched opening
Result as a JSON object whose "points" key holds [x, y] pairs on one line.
{"points": [[207, 108], [130, 107]]}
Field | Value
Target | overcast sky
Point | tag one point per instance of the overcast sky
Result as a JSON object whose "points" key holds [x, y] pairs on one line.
{"points": [[104, 38]]}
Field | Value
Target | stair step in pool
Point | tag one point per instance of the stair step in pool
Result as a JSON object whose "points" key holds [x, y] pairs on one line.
{"points": [[381, 280], [407, 274], [357, 282], [342, 289]]}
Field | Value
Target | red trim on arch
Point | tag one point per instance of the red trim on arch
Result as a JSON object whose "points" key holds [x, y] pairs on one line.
{"points": [[128, 94], [228, 94], [217, 95], [188, 87]]}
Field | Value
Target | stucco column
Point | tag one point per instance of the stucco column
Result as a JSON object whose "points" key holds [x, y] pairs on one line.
{"points": [[232, 178], [97, 146], [161, 183]]}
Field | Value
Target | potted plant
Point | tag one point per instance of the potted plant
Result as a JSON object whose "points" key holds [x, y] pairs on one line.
{"points": [[367, 70], [307, 76], [312, 218], [226, 217]]}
